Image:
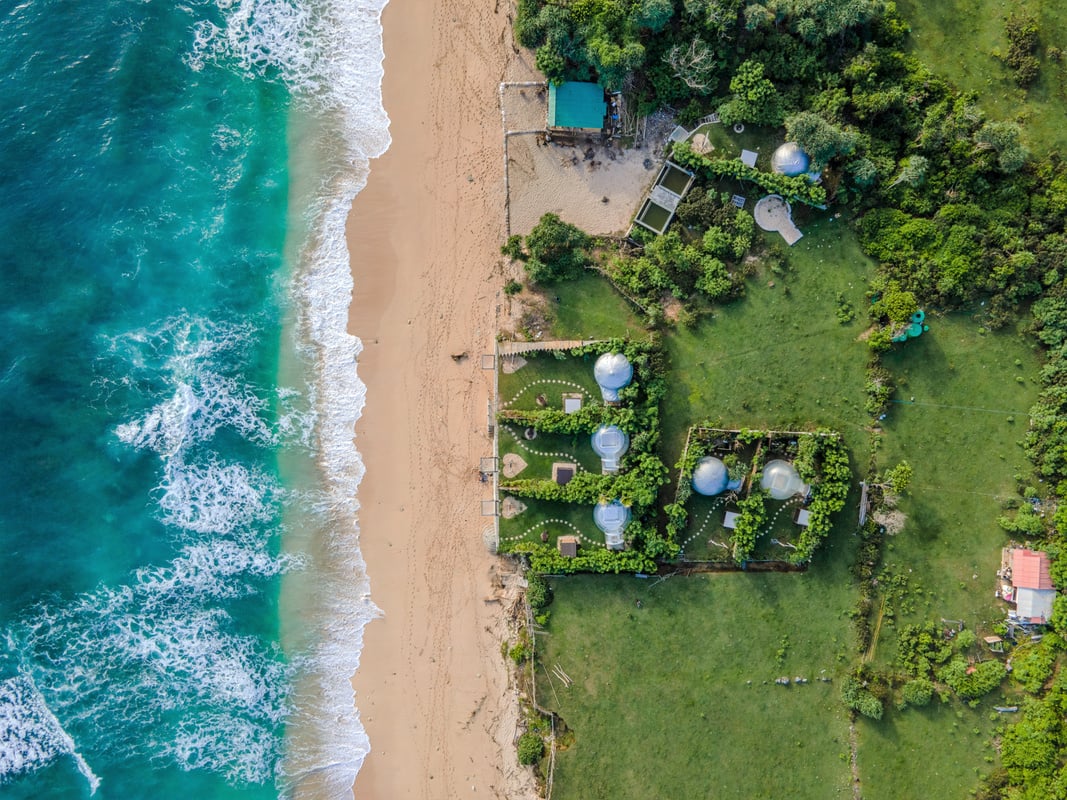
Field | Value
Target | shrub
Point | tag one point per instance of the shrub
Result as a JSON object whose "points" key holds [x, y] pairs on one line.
{"points": [[982, 678], [538, 592], [860, 699], [531, 748], [917, 692]]}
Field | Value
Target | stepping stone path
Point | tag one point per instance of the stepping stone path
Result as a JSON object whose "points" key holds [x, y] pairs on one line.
{"points": [[548, 454], [704, 524], [568, 384], [554, 521]]}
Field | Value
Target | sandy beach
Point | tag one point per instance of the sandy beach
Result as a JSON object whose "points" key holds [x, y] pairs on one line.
{"points": [[425, 239]]}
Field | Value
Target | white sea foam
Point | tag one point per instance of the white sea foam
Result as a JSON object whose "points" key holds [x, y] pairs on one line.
{"points": [[30, 734], [337, 80], [215, 497]]}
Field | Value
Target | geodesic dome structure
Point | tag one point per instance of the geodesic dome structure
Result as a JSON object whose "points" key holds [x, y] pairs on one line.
{"points": [[612, 518], [710, 477], [781, 480], [612, 372]]}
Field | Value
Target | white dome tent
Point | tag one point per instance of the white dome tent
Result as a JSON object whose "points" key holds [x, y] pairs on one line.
{"points": [[782, 481], [610, 442], [612, 372], [710, 477], [790, 160], [612, 518]]}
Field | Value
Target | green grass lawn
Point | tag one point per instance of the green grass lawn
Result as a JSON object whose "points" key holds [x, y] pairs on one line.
{"points": [[957, 38], [779, 358], [728, 144], [958, 436], [541, 453], [591, 307], [544, 515], [937, 751], [545, 374], [677, 698]]}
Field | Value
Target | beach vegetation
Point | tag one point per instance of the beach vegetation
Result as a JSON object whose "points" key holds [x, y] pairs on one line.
{"points": [[552, 251], [531, 748]]}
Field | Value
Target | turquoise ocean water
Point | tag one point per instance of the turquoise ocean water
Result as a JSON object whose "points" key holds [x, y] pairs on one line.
{"points": [[181, 591]]}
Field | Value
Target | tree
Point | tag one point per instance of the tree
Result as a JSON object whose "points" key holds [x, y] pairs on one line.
{"points": [[898, 478], [912, 171], [818, 138], [1003, 138], [653, 14], [755, 99], [897, 305], [697, 65], [556, 250], [551, 63]]}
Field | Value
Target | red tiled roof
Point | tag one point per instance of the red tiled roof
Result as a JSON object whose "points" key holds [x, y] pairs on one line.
{"points": [[1029, 570]]}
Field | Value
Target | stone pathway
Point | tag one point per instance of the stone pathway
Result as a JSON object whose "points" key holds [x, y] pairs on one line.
{"points": [[521, 442], [556, 381], [773, 214], [554, 521], [704, 524]]}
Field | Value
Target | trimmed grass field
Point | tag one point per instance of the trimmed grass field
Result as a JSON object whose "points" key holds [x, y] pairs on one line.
{"points": [[958, 436], [779, 358], [590, 306], [545, 374], [957, 39], [676, 698]]}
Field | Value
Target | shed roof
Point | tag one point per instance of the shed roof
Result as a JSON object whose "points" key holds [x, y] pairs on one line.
{"points": [[1035, 605], [576, 104], [568, 546], [1029, 570]]}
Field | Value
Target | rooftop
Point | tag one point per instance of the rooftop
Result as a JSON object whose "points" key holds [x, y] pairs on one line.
{"points": [[576, 104], [1030, 570]]}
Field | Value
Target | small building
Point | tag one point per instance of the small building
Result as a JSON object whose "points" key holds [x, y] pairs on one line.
{"points": [[610, 442], [710, 477], [576, 107], [782, 481], [612, 372], [612, 518], [572, 402], [563, 472], [567, 546], [1031, 588]]}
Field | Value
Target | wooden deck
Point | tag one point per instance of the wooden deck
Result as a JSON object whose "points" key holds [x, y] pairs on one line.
{"points": [[517, 348]]}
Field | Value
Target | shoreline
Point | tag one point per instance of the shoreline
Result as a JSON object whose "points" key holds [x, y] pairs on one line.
{"points": [[432, 689]]}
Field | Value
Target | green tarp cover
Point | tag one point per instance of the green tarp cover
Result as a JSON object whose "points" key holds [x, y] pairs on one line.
{"points": [[576, 105]]}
